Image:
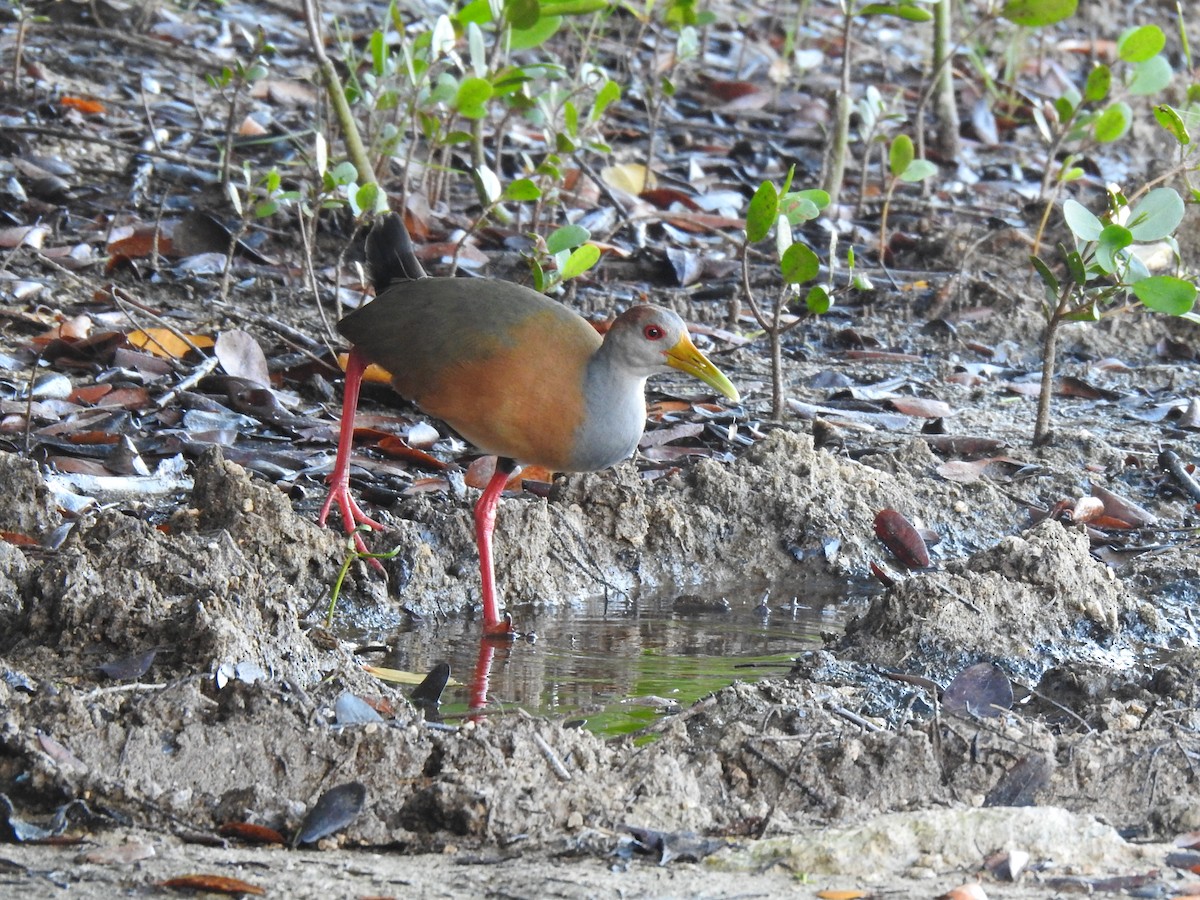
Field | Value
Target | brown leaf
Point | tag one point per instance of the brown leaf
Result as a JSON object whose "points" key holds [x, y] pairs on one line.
{"points": [[961, 445], [164, 343], [398, 448], [23, 235], [216, 884], [1086, 509], [921, 407], [980, 690], [242, 357], [900, 537], [90, 394], [250, 833], [87, 107], [971, 891], [19, 540], [996, 468], [144, 241], [664, 198]]}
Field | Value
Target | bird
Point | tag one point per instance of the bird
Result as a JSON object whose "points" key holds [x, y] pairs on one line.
{"points": [[512, 371]]}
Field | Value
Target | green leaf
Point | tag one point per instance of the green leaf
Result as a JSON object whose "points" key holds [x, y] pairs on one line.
{"points": [[580, 261], [444, 89], [571, 119], [918, 170], [796, 209], [1140, 44], [906, 11], [1046, 275], [799, 264], [1089, 312], [344, 173], [1099, 81], [522, 191], [1113, 123], [787, 181], [566, 238], [522, 13], [378, 49], [900, 154], [1168, 117], [1156, 215], [1083, 224], [762, 212], [1113, 239], [1075, 266], [1163, 293], [573, 7], [487, 185], [1150, 77], [538, 34], [472, 97], [477, 11], [539, 276], [370, 198], [1036, 13], [605, 97], [818, 300]]}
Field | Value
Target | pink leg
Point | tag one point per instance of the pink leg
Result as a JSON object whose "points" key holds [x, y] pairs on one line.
{"points": [[479, 680], [339, 479], [485, 522]]}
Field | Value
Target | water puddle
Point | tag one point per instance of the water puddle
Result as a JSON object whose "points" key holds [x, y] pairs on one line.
{"points": [[621, 665]]}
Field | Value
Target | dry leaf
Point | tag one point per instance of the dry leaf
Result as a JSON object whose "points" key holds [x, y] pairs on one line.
{"points": [[216, 884], [166, 344], [900, 537], [632, 178], [87, 107]]}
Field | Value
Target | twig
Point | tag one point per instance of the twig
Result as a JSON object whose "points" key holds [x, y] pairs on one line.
{"points": [[202, 371], [855, 718], [552, 758], [1170, 461]]}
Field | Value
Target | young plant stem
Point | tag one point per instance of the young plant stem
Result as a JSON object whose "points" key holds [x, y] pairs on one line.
{"points": [[883, 219], [774, 330], [337, 96], [1041, 430], [835, 167], [943, 85]]}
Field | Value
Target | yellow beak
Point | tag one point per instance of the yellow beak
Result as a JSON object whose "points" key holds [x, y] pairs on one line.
{"points": [[686, 358]]}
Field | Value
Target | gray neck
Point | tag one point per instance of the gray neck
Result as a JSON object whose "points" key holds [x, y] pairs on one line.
{"points": [[616, 413]]}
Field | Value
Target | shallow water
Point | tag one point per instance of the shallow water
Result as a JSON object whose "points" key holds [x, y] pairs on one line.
{"points": [[620, 665]]}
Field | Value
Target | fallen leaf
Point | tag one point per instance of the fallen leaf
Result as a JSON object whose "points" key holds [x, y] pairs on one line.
{"points": [[216, 884], [250, 833], [333, 811], [900, 537], [241, 356], [166, 344], [980, 690], [632, 178], [87, 107]]}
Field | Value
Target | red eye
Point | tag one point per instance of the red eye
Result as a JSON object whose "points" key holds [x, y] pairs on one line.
{"points": [[654, 332]]}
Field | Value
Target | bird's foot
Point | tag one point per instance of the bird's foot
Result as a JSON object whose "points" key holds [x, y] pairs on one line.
{"points": [[500, 631], [352, 514], [353, 518]]}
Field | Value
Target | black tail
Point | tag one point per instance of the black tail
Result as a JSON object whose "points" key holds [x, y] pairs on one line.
{"points": [[390, 254]]}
